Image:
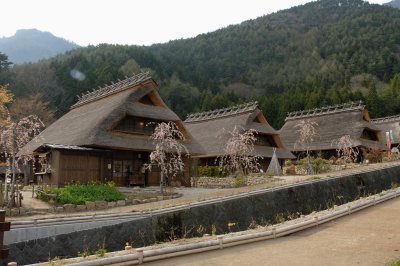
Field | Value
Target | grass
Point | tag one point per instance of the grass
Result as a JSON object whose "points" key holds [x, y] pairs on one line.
{"points": [[394, 263], [79, 193]]}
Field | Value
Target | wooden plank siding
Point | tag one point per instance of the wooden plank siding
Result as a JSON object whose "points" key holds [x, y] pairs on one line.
{"points": [[82, 168]]}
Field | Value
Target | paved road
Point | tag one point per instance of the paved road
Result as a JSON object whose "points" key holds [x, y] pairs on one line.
{"points": [[369, 237]]}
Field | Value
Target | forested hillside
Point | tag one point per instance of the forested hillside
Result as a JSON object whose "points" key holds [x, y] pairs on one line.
{"points": [[324, 52]]}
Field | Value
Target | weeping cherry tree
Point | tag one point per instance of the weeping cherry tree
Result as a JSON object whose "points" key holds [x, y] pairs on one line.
{"points": [[168, 151], [345, 149], [306, 130], [14, 136], [239, 154]]}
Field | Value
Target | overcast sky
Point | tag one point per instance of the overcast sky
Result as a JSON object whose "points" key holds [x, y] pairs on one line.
{"points": [[131, 21]]}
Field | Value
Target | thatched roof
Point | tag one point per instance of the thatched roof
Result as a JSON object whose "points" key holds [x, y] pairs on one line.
{"points": [[333, 122], [211, 129], [91, 121], [389, 123]]}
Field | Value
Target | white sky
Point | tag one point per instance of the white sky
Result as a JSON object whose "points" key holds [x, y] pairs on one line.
{"points": [[132, 21]]}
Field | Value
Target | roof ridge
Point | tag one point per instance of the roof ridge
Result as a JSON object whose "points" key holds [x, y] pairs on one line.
{"points": [[391, 118], [330, 109], [107, 90], [223, 112]]}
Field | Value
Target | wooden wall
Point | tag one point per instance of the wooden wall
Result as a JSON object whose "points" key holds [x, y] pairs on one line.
{"points": [[79, 167]]}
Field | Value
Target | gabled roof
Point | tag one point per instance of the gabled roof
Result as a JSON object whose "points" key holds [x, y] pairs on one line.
{"points": [[90, 121], [333, 122], [389, 123], [211, 129]]}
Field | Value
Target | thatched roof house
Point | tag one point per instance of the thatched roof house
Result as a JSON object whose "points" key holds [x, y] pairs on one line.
{"points": [[211, 129], [333, 122], [119, 118], [389, 124]]}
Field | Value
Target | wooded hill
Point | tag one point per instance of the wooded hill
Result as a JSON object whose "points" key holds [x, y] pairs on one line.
{"points": [[320, 53]]}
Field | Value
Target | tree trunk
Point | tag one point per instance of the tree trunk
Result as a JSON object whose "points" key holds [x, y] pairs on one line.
{"points": [[11, 202], [162, 183]]}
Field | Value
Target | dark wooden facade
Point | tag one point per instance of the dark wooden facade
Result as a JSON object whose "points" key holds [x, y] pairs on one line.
{"points": [[106, 136]]}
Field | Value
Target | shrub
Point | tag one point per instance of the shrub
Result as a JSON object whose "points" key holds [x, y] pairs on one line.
{"points": [[372, 155], [213, 171], [240, 181], [79, 193], [318, 164]]}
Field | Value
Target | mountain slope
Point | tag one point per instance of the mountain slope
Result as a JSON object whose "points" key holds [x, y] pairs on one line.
{"points": [[321, 41], [299, 58], [393, 3], [31, 45]]}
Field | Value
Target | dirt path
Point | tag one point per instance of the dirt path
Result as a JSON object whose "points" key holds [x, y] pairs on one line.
{"points": [[369, 237]]}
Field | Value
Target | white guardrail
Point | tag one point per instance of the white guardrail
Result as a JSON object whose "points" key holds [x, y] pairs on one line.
{"points": [[141, 255]]}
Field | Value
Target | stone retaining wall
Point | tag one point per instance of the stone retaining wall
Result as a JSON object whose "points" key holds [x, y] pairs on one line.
{"points": [[88, 206], [228, 182], [243, 212], [300, 170]]}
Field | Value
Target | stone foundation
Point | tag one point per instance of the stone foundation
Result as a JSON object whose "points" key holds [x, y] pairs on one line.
{"points": [[88, 206], [228, 182]]}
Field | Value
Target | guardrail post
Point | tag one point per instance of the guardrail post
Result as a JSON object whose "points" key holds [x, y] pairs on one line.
{"points": [[316, 220], [348, 209], [274, 231], [140, 255], [220, 240], [4, 226]]}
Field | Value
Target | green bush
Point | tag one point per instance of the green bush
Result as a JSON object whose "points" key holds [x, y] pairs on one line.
{"points": [[213, 171], [78, 193], [318, 164], [240, 181]]}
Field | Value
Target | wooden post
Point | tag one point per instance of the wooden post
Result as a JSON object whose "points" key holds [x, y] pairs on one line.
{"points": [[4, 226]]}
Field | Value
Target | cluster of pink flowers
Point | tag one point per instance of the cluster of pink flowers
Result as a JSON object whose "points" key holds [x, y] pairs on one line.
{"points": [[345, 150], [239, 154], [168, 151]]}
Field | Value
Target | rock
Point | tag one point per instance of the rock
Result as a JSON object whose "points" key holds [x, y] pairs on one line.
{"points": [[80, 208], [69, 207], [136, 201], [90, 205], [59, 209], [128, 201], [14, 212], [291, 170], [121, 203], [153, 199], [160, 198], [101, 204], [111, 204]]}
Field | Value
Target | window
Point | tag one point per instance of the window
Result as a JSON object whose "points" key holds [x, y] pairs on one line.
{"points": [[265, 140], [117, 168], [137, 125], [151, 99], [122, 168], [369, 134], [146, 100]]}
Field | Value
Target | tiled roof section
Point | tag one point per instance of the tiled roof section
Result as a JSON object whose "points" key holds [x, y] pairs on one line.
{"points": [[111, 89], [392, 118], [326, 110], [224, 112]]}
